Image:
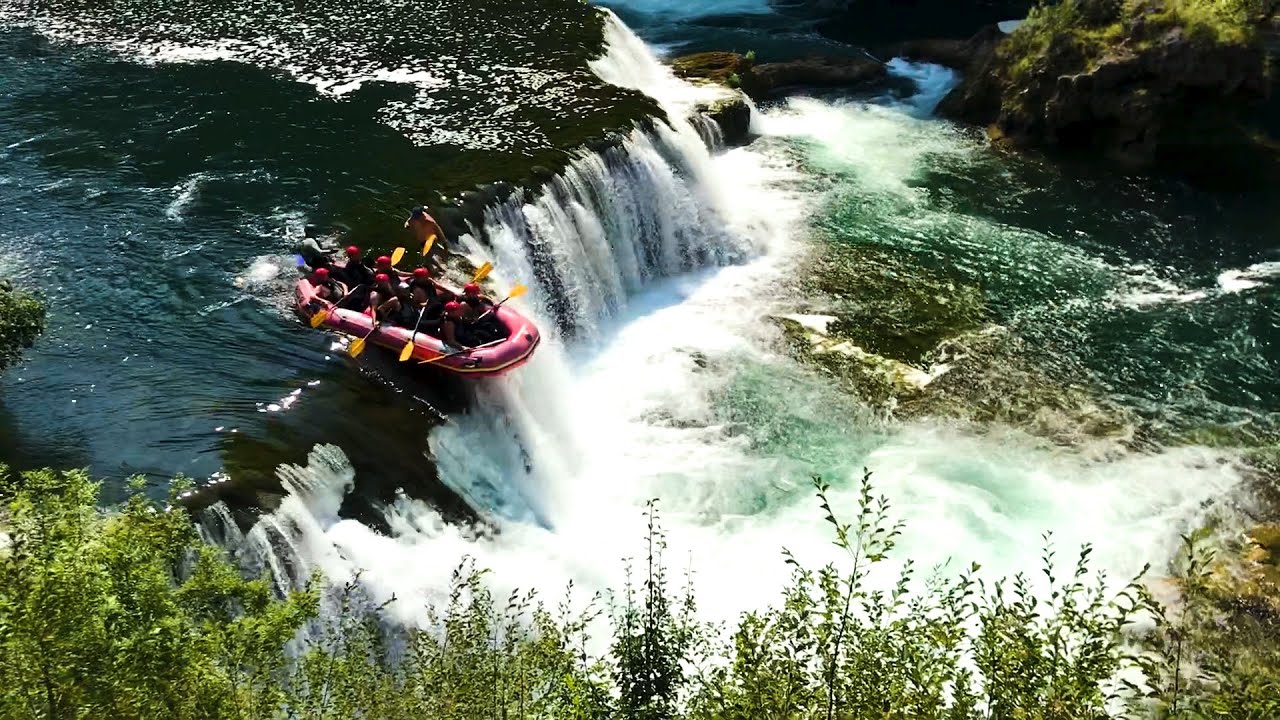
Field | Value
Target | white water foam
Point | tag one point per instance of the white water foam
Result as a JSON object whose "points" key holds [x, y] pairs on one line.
{"points": [[666, 385], [1254, 276]]}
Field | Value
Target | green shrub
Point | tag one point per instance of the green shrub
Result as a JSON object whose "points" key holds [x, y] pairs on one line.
{"points": [[21, 322], [127, 615], [1089, 30]]}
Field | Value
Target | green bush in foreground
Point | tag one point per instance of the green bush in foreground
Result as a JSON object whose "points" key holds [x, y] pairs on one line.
{"points": [[21, 322], [128, 615]]}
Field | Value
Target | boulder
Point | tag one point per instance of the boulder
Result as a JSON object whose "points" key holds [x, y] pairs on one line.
{"points": [[722, 68], [816, 71], [733, 116]]}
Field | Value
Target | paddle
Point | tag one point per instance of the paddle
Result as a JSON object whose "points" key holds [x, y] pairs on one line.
{"points": [[482, 272], [407, 351], [516, 292], [426, 247], [397, 256], [318, 319], [357, 345], [460, 352]]}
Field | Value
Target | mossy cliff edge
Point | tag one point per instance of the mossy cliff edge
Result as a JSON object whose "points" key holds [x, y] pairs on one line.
{"points": [[1170, 85]]}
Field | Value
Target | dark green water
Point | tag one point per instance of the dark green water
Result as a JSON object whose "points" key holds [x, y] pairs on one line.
{"points": [[154, 205]]}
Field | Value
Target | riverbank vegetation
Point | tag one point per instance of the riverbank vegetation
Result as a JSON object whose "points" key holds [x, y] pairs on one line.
{"points": [[127, 614], [21, 322], [1097, 28]]}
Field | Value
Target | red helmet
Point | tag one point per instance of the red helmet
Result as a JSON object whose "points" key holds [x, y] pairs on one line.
{"points": [[384, 260], [421, 273], [322, 273], [382, 278], [471, 289], [353, 251], [453, 308]]}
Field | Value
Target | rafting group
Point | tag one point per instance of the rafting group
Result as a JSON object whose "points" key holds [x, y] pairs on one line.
{"points": [[458, 330]]}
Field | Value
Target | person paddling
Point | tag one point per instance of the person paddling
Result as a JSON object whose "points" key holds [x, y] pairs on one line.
{"points": [[355, 272], [384, 304], [454, 328], [325, 287]]}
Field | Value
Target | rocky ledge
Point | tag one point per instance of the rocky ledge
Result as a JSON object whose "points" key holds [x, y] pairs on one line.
{"points": [[1150, 86], [766, 80]]}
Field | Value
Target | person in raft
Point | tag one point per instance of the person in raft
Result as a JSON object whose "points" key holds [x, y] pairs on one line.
{"points": [[422, 277], [454, 328], [325, 287], [384, 302], [355, 273], [423, 305]]}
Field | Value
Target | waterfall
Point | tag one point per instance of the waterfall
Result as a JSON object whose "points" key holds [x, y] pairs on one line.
{"points": [[602, 243], [652, 268]]}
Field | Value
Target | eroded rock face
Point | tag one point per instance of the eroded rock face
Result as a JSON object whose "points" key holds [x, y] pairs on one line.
{"points": [[1158, 95]]}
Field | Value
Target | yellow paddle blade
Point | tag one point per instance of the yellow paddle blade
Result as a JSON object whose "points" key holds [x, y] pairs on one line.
{"points": [[407, 351], [483, 272], [517, 291], [397, 256], [318, 319], [357, 347], [426, 247]]}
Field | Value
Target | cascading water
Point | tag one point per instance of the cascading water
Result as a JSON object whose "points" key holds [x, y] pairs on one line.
{"points": [[659, 263]]}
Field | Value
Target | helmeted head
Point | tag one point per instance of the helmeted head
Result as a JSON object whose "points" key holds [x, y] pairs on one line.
{"points": [[421, 273], [353, 252], [384, 262], [471, 290], [382, 279], [453, 309], [321, 275]]}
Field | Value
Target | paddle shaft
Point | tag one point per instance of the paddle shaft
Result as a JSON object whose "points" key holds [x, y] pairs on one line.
{"points": [[462, 351]]}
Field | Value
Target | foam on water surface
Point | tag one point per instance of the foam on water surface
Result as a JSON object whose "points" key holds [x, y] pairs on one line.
{"points": [[659, 263]]}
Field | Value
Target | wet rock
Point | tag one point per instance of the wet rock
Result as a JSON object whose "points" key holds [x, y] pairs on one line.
{"points": [[732, 115], [879, 380], [817, 71], [722, 68], [950, 52]]}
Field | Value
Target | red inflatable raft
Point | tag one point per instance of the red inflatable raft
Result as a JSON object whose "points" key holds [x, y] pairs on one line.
{"points": [[483, 361]]}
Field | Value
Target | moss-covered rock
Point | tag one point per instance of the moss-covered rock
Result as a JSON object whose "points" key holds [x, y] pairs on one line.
{"points": [[762, 81], [991, 377], [878, 380], [1158, 84], [921, 342], [892, 306]]}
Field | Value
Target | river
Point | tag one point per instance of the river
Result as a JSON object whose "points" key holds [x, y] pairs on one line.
{"points": [[156, 209]]}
